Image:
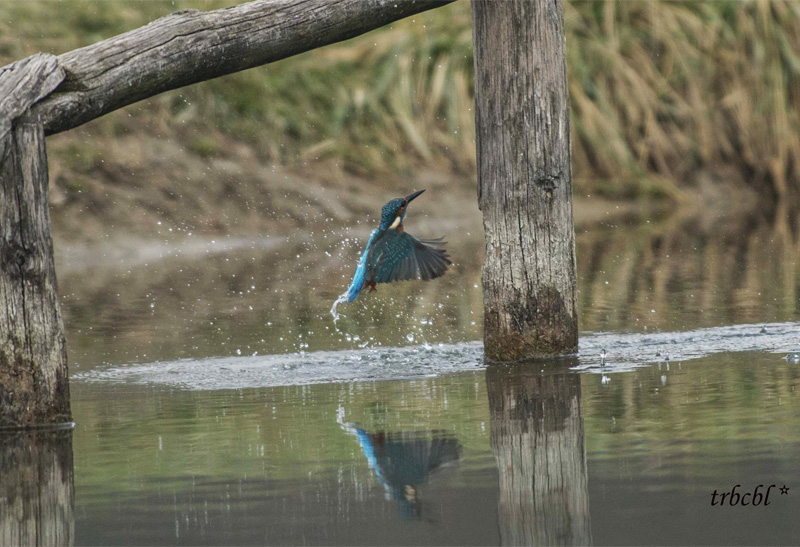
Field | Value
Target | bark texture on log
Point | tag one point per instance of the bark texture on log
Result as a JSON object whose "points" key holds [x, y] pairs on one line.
{"points": [[34, 384], [538, 441], [37, 497], [22, 84], [525, 179], [191, 46]]}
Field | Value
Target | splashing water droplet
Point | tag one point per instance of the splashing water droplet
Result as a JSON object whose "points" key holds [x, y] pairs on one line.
{"points": [[342, 298]]}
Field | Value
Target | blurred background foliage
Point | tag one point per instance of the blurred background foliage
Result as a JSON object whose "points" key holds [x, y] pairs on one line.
{"points": [[668, 98]]}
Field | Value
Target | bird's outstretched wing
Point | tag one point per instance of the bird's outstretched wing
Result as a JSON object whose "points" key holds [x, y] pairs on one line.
{"points": [[398, 256]]}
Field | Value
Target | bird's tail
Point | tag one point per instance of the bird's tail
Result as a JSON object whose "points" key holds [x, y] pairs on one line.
{"points": [[358, 280], [361, 271], [352, 292]]}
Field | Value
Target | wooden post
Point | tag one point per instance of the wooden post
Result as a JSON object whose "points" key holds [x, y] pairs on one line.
{"points": [[538, 443], [34, 387], [37, 497], [524, 179]]}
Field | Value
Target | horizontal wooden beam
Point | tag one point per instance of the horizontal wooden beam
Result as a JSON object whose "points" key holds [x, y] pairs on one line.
{"points": [[191, 46]]}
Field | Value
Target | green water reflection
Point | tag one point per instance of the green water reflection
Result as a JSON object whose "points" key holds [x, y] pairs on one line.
{"points": [[684, 273], [502, 456], [507, 455]]}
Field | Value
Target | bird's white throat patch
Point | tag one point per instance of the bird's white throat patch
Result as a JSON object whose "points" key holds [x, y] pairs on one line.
{"points": [[396, 223]]}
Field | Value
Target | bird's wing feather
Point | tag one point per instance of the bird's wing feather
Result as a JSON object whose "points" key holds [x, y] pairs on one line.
{"points": [[399, 256]]}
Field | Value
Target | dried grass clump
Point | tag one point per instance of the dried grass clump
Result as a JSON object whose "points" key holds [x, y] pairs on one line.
{"points": [[671, 89]]}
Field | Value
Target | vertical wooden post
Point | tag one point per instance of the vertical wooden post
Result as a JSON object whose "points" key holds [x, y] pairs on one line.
{"points": [[37, 497], [538, 444], [524, 178], [34, 386]]}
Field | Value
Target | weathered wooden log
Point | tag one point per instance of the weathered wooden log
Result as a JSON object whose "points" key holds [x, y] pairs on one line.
{"points": [[538, 443], [524, 179], [191, 46], [37, 497], [34, 385], [22, 84]]}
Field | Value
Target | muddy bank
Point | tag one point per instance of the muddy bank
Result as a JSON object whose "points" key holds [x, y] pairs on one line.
{"points": [[143, 188]]}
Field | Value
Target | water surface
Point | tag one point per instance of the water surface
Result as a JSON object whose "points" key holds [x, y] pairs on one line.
{"points": [[502, 455], [216, 403]]}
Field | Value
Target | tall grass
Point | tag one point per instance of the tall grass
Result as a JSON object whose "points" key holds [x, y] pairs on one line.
{"points": [[660, 91], [672, 88]]}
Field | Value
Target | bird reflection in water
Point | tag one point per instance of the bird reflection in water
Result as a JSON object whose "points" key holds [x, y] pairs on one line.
{"points": [[404, 460]]}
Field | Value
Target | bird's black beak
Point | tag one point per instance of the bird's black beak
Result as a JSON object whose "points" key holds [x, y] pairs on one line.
{"points": [[412, 196]]}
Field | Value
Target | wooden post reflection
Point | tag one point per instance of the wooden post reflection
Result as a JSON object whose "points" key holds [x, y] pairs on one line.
{"points": [[538, 443], [36, 488]]}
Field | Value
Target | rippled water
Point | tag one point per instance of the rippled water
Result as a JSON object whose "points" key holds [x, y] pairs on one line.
{"points": [[623, 352], [452, 459], [215, 402]]}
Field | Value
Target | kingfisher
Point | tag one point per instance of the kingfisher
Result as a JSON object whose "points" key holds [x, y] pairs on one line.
{"points": [[392, 254]]}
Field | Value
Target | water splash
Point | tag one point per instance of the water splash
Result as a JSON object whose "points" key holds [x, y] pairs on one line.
{"points": [[341, 300], [793, 358], [297, 369], [624, 352]]}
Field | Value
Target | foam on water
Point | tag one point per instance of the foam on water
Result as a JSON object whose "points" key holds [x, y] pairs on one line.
{"points": [[626, 351], [623, 352]]}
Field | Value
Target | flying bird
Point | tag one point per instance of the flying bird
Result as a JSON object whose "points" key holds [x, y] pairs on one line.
{"points": [[392, 254]]}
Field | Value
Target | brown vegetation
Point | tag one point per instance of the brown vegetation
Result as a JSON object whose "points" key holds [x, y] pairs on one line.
{"points": [[661, 92]]}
